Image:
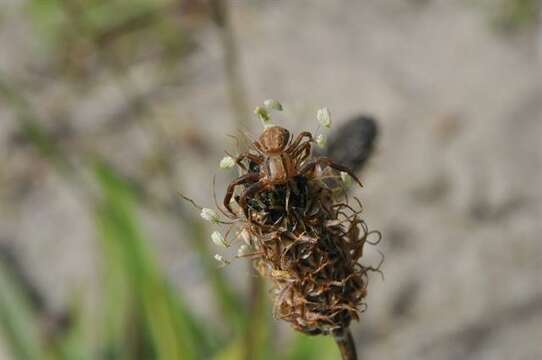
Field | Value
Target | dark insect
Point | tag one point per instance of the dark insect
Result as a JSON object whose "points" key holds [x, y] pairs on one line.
{"points": [[352, 143]]}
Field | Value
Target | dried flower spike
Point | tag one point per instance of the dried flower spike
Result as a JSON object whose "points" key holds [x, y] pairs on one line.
{"points": [[227, 162], [302, 237], [324, 117]]}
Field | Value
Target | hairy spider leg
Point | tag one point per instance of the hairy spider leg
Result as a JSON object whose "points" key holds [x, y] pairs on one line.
{"points": [[247, 155], [301, 153], [231, 188], [328, 162], [258, 147], [295, 143]]}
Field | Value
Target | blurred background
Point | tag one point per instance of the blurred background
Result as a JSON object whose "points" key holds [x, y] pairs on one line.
{"points": [[108, 109]]}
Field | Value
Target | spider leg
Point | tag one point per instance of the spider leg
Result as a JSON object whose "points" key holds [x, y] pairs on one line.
{"points": [[309, 166], [342, 168], [258, 147], [302, 152], [216, 202], [295, 143], [231, 188], [250, 192], [246, 155], [328, 162]]}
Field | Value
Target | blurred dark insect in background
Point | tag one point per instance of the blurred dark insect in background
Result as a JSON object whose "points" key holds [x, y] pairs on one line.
{"points": [[353, 143]]}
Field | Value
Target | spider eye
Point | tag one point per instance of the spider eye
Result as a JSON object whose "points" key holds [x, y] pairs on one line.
{"points": [[253, 167]]}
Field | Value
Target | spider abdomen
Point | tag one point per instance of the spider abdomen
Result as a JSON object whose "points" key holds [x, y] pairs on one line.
{"points": [[279, 168]]}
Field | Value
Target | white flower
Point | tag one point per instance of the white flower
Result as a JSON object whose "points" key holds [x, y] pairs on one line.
{"points": [[271, 104], [209, 215], [221, 259], [218, 239], [321, 140], [243, 250], [262, 114], [227, 162], [347, 179], [324, 117]]}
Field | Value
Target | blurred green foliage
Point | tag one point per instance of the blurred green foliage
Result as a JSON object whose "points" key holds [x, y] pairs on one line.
{"points": [[512, 15], [138, 291], [517, 13], [18, 320], [75, 33], [91, 18]]}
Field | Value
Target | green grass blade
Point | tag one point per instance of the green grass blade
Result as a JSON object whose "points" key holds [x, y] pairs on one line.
{"points": [[258, 343], [18, 324], [75, 343], [232, 351], [306, 347], [174, 332]]}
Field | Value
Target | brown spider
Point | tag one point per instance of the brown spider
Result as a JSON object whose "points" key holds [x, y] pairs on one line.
{"points": [[279, 160]]}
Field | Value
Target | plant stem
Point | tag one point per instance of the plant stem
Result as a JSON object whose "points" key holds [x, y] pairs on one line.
{"points": [[256, 331], [220, 15], [345, 342]]}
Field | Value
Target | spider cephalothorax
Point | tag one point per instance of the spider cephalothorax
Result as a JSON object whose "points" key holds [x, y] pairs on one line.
{"points": [[273, 140]]}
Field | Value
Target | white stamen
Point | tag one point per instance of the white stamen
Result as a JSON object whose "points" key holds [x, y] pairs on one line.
{"points": [[243, 250], [324, 117], [209, 215], [271, 104], [321, 140], [218, 239], [262, 114], [245, 236], [221, 259], [347, 179], [227, 162]]}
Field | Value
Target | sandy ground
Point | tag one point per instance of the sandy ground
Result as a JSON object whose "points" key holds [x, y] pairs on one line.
{"points": [[454, 185]]}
